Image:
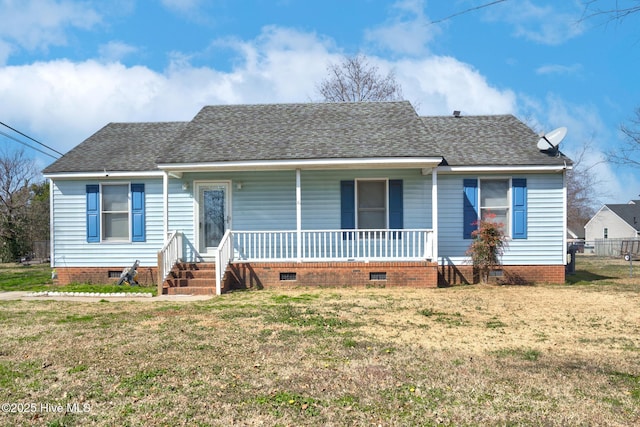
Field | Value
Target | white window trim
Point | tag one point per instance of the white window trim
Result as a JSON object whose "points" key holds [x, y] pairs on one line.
{"points": [[386, 200], [102, 225], [509, 207]]}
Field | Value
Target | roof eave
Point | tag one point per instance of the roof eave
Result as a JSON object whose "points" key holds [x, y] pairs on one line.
{"points": [[503, 169], [349, 163], [103, 174]]}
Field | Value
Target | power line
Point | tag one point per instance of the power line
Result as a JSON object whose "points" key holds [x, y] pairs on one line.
{"points": [[27, 145], [467, 11], [27, 136]]}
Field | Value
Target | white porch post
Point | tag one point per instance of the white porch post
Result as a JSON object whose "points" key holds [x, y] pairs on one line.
{"points": [[434, 213], [165, 207], [298, 215]]}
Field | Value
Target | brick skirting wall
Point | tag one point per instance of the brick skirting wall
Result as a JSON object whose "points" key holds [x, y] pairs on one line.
{"points": [[100, 275], [258, 275], [451, 275]]}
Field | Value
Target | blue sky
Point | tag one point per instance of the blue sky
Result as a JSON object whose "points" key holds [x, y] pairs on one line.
{"points": [[67, 68]]}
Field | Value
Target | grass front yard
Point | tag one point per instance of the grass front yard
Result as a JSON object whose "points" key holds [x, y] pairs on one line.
{"points": [[469, 355]]}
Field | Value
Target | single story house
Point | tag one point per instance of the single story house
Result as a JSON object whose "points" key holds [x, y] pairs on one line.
{"points": [[309, 194], [614, 221]]}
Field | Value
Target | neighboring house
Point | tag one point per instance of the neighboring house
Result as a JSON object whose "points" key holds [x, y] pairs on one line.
{"points": [[614, 221], [320, 193]]}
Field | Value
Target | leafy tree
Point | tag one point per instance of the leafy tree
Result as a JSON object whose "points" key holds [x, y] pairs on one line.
{"points": [[355, 80], [488, 245]]}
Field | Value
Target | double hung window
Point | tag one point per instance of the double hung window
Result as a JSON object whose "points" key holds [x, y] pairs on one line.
{"points": [[115, 212], [372, 204], [494, 199]]}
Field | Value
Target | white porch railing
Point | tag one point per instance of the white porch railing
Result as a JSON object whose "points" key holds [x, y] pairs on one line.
{"points": [[306, 245], [224, 255], [170, 253], [333, 245]]}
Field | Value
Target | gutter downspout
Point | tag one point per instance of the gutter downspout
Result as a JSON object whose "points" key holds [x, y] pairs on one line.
{"points": [[564, 215], [165, 207], [299, 215], [52, 254], [434, 213]]}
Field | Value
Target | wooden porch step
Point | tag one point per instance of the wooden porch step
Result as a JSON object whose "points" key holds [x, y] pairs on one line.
{"points": [[190, 278]]}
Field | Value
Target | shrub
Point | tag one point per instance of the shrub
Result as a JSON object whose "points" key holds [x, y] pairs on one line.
{"points": [[487, 246]]}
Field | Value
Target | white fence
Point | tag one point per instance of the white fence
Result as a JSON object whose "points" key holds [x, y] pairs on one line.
{"points": [[610, 247]]}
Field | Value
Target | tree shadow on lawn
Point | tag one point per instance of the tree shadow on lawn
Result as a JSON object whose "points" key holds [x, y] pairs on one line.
{"points": [[584, 277]]}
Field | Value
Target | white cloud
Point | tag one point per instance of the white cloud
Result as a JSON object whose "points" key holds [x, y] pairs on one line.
{"points": [[439, 85], [549, 25], [115, 51], [62, 102], [559, 69], [408, 33], [38, 24], [183, 6]]}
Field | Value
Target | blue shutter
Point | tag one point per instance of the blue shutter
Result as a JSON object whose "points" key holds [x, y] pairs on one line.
{"points": [[470, 208], [137, 213], [347, 205], [519, 202], [395, 204], [93, 213]]}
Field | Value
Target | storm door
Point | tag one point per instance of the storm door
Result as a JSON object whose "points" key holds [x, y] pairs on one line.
{"points": [[213, 214]]}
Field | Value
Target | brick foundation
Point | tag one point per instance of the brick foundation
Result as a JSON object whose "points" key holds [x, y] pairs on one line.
{"points": [[100, 275], [383, 274], [376, 274], [451, 275]]}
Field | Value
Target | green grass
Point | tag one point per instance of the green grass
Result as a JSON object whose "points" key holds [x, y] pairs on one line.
{"points": [[37, 278], [15, 277]]}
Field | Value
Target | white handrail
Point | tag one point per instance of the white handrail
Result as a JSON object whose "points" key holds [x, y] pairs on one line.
{"points": [[224, 255], [170, 253]]}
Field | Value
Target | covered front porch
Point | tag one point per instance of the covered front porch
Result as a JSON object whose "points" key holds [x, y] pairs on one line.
{"points": [[347, 211], [373, 252]]}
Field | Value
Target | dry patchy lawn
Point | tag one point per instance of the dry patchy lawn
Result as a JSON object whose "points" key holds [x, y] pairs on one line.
{"points": [[473, 355]]}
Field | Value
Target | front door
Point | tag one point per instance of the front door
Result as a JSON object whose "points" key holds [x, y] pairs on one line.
{"points": [[213, 214]]}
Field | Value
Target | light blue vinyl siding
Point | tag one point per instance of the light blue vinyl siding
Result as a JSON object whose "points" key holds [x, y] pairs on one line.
{"points": [[71, 248], [545, 222], [321, 196]]}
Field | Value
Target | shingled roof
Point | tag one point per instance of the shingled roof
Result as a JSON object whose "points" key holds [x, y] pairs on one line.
{"points": [[120, 147], [231, 133], [629, 212], [301, 131], [488, 141]]}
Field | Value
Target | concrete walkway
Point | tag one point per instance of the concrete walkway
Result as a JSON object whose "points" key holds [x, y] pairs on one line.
{"points": [[28, 296]]}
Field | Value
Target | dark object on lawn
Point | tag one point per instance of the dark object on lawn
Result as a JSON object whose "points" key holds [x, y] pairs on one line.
{"points": [[130, 275]]}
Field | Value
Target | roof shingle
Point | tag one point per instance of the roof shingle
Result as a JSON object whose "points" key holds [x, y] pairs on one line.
{"points": [[230, 133]]}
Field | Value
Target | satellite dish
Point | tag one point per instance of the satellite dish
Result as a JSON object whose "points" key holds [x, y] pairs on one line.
{"points": [[551, 140]]}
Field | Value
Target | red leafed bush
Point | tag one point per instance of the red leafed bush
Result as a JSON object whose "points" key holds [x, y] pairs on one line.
{"points": [[488, 245]]}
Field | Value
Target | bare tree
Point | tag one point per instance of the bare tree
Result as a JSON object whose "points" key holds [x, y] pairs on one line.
{"points": [[582, 196], [355, 79], [611, 10], [629, 152], [17, 172]]}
